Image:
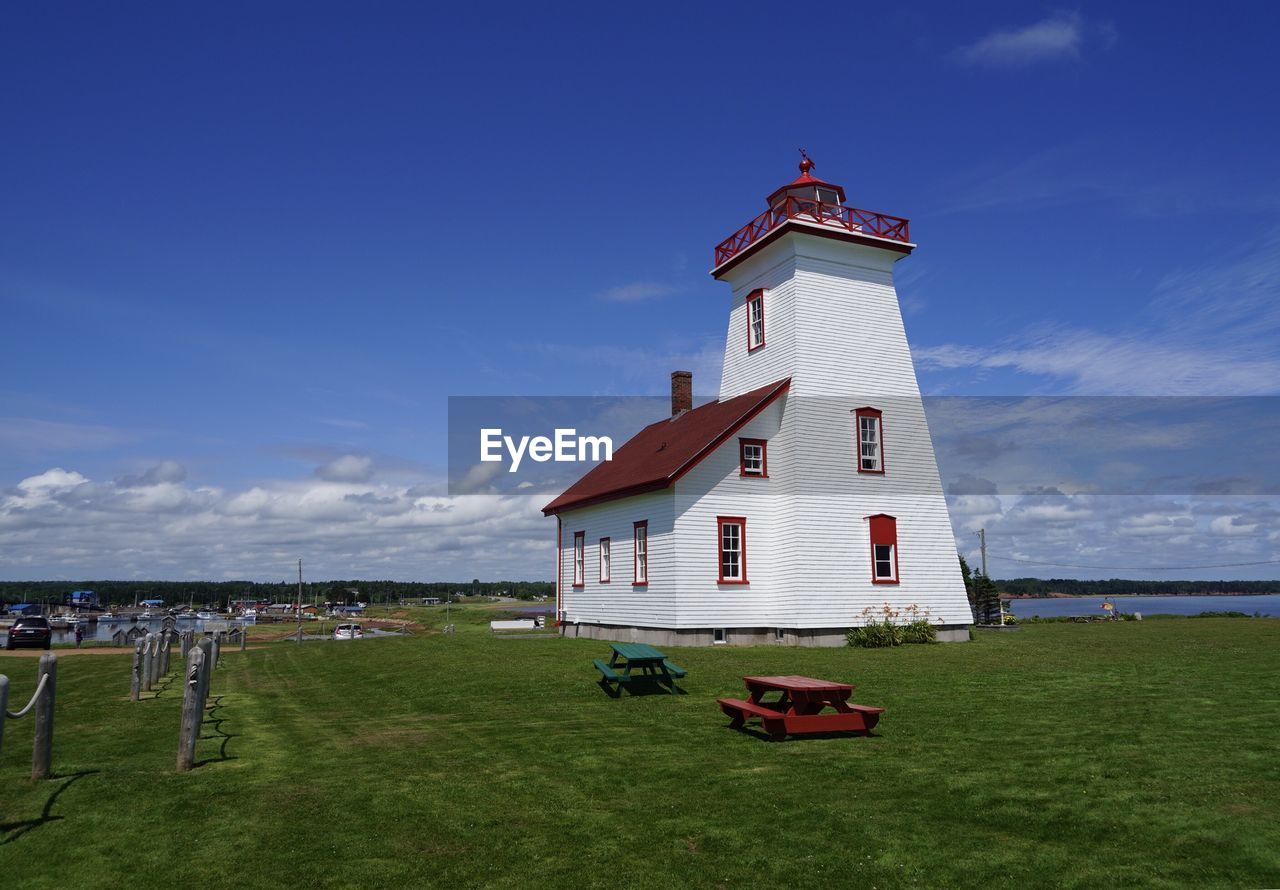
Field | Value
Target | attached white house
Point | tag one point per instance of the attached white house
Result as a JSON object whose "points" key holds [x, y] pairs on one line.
{"points": [[807, 497]]}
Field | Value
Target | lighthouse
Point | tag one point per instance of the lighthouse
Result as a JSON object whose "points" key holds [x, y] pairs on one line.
{"points": [[806, 499]]}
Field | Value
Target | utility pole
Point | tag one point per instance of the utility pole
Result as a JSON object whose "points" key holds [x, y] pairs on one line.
{"points": [[982, 538], [298, 606]]}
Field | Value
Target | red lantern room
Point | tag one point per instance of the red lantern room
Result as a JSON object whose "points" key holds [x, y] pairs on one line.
{"points": [[816, 207], [808, 188]]}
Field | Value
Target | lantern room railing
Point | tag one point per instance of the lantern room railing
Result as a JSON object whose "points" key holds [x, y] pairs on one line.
{"points": [[837, 216]]}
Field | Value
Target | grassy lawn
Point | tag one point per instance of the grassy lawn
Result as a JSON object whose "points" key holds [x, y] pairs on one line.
{"points": [[1065, 755]]}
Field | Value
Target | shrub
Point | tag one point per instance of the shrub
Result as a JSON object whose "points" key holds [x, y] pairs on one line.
{"points": [[878, 635], [891, 628], [919, 631]]}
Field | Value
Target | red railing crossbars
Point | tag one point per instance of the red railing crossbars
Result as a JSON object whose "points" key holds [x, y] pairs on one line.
{"points": [[850, 219]]}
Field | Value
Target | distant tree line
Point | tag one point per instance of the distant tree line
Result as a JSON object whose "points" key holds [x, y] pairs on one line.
{"points": [[1121, 587], [120, 593]]}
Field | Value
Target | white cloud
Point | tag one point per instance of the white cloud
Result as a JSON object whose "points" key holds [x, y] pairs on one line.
{"points": [[636, 291], [1232, 526], [50, 481], [1209, 330], [347, 468], [60, 523], [1058, 37]]}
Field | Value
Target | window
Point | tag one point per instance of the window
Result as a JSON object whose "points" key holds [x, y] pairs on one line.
{"points": [[755, 320], [719, 636], [604, 561], [870, 441], [579, 558], [640, 565], [752, 459], [732, 533], [884, 549]]}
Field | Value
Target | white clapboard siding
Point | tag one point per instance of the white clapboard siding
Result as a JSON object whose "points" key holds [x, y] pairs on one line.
{"points": [[619, 601], [833, 325], [715, 488], [845, 348]]}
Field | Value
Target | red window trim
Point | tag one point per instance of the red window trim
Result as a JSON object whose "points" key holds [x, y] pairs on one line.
{"points": [[580, 538], [721, 522], [604, 579], [857, 437], [764, 458], [757, 294], [883, 529], [635, 561]]}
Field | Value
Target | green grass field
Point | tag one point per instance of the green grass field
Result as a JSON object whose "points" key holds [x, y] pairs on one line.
{"points": [[1060, 755]]}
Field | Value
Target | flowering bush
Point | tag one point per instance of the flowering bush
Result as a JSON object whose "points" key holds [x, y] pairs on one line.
{"points": [[888, 626]]}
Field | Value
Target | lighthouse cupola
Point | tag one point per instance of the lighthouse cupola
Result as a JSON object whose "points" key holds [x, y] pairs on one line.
{"points": [[807, 187]]}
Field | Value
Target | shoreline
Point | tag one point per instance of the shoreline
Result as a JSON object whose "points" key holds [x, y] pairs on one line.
{"points": [[1053, 595]]}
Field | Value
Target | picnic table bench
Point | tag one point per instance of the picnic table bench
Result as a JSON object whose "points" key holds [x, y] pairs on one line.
{"points": [[637, 661], [799, 708]]}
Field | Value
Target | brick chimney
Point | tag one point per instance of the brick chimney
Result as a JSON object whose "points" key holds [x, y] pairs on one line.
{"points": [[681, 392]]}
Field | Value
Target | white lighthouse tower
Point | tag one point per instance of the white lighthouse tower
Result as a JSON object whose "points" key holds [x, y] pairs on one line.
{"points": [[805, 500]]}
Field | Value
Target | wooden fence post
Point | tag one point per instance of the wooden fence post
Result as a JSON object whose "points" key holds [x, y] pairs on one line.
{"points": [[4, 704], [164, 652], [217, 650], [192, 709], [152, 658], [135, 682], [42, 749], [184, 640], [244, 635], [206, 667], [146, 662]]}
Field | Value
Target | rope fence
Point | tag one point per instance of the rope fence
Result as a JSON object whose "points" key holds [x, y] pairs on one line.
{"points": [[42, 703]]}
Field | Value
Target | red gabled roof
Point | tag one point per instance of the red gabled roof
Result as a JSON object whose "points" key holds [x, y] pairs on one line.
{"points": [[662, 452]]}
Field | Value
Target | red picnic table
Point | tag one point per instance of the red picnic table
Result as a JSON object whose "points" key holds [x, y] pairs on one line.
{"points": [[799, 708]]}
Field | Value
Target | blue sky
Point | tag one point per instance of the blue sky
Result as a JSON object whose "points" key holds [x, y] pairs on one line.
{"points": [[248, 251]]}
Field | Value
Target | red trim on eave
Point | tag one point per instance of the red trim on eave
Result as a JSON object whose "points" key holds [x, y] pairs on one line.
{"points": [[764, 458], [642, 488], [635, 557], [793, 226], [733, 428], [858, 414], [661, 484], [757, 294], [741, 522]]}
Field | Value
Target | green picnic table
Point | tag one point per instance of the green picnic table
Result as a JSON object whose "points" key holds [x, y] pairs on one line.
{"points": [[636, 661]]}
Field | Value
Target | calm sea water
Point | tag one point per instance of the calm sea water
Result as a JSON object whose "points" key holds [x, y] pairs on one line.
{"points": [[1267, 604]]}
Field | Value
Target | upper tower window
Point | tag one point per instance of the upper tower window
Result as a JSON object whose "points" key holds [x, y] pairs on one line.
{"points": [[870, 441], [755, 320]]}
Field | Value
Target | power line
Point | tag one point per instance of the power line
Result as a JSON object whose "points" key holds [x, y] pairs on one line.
{"points": [[1069, 565]]}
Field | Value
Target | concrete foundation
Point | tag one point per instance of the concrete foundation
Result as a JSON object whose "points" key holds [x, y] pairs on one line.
{"points": [[733, 636]]}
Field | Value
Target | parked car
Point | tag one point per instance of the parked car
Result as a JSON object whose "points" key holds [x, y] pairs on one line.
{"points": [[32, 631], [348, 632]]}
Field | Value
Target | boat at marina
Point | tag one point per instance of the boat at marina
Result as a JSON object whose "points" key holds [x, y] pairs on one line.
{"points": [[206, 615], [60, 622]]}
